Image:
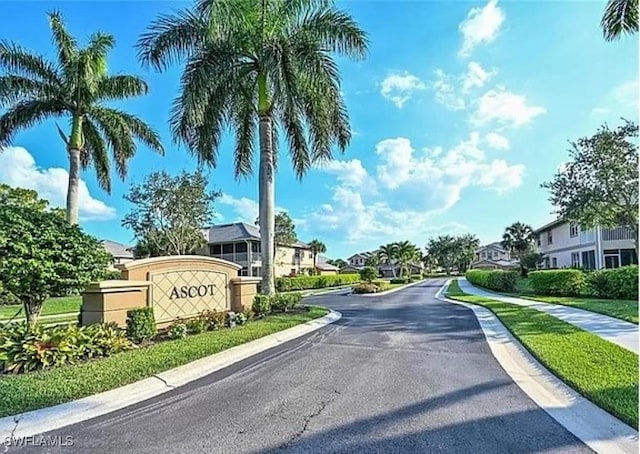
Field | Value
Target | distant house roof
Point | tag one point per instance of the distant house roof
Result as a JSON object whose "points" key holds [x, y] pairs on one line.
{"points": [[495, 245], [237, 231], [321, 264], [550, 225], [365, 255], [117, 250]]}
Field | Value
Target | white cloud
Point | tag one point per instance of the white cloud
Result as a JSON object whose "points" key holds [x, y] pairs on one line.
{"points": [[497, 141], [626, 94], [399, 87], [18, 168], [504, 107], [476, 76], [481, 26], [446, 91], [622, 100], [245, 209], [413, 187]]}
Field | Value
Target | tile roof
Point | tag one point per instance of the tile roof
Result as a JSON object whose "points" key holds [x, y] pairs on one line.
{"points": [[118, 250], [321, 263], [237, 231]]}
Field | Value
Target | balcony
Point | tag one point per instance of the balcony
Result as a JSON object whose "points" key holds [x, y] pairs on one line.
{"points": [[239, 257], [617, 234]]}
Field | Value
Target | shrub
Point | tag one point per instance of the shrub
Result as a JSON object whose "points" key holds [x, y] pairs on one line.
{"points": [[111, 275], [215, 319], [261, 305], [616, 283], [198, 325], [249, 314], [399, 280], [416, 277], [232, 319], [569, 282], [368, 273], [241, 318], [25, 348], [500, 281], [178, 331], [286, 284], [372, 287], [141, 324]]}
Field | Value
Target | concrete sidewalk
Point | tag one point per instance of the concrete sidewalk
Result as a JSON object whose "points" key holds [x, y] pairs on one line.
{"points": [[619, 332]]}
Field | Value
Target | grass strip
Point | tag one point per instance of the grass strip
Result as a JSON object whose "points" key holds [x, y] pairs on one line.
{"points": [[52, 306], [20, 393], [601, 371]]}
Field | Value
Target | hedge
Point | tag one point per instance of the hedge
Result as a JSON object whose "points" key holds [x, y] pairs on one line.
{"points": [[617, 283], [286, 284], [500, 281], [568, 282]]}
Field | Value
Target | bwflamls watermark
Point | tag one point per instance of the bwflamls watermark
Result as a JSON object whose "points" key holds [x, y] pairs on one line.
{"points": [[43, 441]]}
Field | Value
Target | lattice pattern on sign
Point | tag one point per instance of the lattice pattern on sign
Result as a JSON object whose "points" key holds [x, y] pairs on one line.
{"points": [[182, 293]]}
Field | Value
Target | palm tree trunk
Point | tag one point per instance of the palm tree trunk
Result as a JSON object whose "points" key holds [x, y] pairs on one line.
{"points": [[75, 144], [266, 196]]}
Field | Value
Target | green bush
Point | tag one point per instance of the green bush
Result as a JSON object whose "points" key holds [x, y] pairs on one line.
{"points": [[24, 348], [241, 318], [141, 324], [261, 305], [416, 277], [216, 319], [368, 273], [198, 325], [286, 284], [399, 280], [178, 331], [617, 283], [372, 287], [111, 275], [500, 281], [280, 302], [569, 282]]}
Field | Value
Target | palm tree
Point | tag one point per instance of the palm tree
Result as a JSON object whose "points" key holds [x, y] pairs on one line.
{"points": [[406, 252], [388, 254], [75, 86], [620, 17], [260, 68], [518, 238], [317, 247]]}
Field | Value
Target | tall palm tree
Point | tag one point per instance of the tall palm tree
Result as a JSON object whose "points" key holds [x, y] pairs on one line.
{"points": [[76, 86], [388, 254], [260, 68], [317, 247], [406, 252], [518, 238], [620, 17]]}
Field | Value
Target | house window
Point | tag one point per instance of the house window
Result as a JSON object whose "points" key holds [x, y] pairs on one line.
{"points": [[538, 240], [255, 247], [575, 259], [573, 230], [215, 249], [241, 247], [310, 254], [628, 257], [589, 260], [243, 272], [549, 237], [484, 255], [554, 262], [227, 248], [256, 271], [611, 261]]}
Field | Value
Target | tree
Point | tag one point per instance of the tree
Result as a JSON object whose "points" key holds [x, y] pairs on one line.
{"points": [[169, 212], [405, 253], [372, 260], [41, 254], [388, 254], [317, 247], [599, 186], [518, 238], [530, 259], [466, 246], [261, 68], [620, 17], [76, 86], [339, 263], [368, 274], [444, 249]]}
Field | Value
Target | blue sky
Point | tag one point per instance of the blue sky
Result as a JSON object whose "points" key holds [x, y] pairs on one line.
{"points": [[460, 112]]}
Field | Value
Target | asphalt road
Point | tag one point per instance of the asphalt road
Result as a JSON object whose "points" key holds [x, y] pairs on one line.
{"points": [[403, 373]]}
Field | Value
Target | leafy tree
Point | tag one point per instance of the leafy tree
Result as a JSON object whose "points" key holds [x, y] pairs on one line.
{"points": [[466, 246], [169, 212], [337, 262], [406, 252], [372, 260], [317, 247], [620, 17], [368, 274], [599, 186], [260, 68], [388, 254], [75, 86], [41, 254], [530, 259], [444, 249], [518, 238]]}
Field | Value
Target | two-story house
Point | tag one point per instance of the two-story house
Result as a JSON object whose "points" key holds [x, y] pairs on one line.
{"points": [[565, 245], [120, 253], [358, 261], [494, 256], [240, 243]]}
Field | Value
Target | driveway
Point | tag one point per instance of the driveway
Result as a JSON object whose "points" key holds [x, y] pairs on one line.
{"points": [[403, 373]]}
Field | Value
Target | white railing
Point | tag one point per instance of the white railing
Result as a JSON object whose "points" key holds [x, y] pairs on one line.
{"points": [[617, 234], [238, 257]]}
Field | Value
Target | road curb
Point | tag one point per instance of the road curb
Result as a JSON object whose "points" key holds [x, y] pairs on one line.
{"points": [[52, 418], [386, 292], [601, 431]]}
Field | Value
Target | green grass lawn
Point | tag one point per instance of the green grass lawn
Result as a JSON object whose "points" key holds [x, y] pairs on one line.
{"points": [[623, 309], [603, 372], [20, 393], [52, 306]]}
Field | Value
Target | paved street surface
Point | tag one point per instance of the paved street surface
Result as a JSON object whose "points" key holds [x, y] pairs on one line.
{"points": [[404, 373]]}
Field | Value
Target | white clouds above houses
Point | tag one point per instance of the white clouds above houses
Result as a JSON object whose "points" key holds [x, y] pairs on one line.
{"points": [[481, 26], [398, 87], [18, 168], [244, 209]]}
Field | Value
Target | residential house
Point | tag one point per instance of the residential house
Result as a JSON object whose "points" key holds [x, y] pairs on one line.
{"points": [[324, 268], [358, 261], [566, 245], [121, 253], [494, 256], [240, 243]]}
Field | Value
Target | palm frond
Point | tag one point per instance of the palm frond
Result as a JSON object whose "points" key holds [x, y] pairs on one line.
{"points": [[17, 88], [26, 114], [244, 119], [95, 153], [120, 87], [620, 17], [66, 45], [17, 61], [117, 134]]}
